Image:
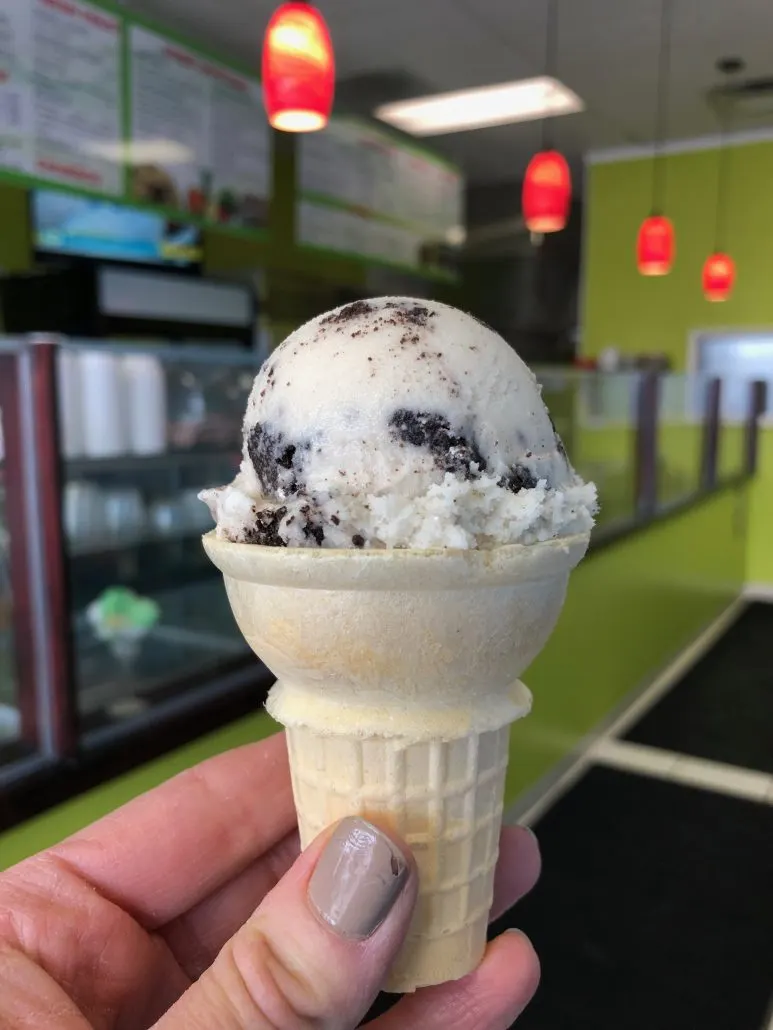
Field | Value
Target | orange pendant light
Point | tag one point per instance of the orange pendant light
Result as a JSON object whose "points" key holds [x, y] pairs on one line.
{"points": [[298, 69], [718, 277], [656, 246], [546, 196], [547, 192]]}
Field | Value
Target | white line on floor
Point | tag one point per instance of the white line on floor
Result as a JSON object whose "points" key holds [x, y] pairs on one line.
{"points": [[758, 592], [685, 769], [547, 791], [674, 672]]}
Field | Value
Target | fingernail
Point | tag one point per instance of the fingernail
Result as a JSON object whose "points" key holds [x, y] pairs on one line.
{"points": [[358, 878]]}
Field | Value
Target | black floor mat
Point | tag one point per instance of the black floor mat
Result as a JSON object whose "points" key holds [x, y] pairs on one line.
{"points": [[723, 708], [655, 909]]}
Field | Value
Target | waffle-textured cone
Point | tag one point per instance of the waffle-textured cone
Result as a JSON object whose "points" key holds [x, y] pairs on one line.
{"points": [[395, 681], [445, 800]]}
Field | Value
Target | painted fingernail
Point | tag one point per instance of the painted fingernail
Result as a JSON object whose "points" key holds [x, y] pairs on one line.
{"points": [[358, 878]]}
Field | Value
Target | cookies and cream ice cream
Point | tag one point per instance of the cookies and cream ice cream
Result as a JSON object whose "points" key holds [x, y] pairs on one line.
{"points": [[399, 423]]}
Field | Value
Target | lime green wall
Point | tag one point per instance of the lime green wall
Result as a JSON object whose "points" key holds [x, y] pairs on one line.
{"points": [[636, 313], [630, 608], [759, 567], [15, 238]]}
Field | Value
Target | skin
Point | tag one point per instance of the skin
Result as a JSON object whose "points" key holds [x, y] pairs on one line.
{"points": [[187, 910]]}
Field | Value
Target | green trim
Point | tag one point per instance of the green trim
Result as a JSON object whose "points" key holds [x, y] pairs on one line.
{"points": [[201, 49], [404, 142], [436, 274], [324, 200]]}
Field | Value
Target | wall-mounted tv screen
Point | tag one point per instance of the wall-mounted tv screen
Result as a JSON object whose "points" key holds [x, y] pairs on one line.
{"points": [[68, 224]]}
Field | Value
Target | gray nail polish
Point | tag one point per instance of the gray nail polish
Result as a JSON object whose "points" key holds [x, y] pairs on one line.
{"points": [[357, 880]]}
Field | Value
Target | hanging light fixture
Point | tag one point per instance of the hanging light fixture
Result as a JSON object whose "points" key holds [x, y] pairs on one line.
{"points": [[656, 242], [718, 276], [547, 185], [719, 269], [655, 246], [298, 69]]}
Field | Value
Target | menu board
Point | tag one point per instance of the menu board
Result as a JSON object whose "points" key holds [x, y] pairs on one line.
{"points": [[199, 138], [395, 200], [334, 228], [61, 108]]}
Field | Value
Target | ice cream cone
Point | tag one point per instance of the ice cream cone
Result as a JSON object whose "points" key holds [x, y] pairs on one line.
{"points": [[397, 682]]}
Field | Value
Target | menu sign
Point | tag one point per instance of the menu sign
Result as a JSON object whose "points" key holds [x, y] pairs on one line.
{"points": [[199, 139], [60, 99], [365, 192]]}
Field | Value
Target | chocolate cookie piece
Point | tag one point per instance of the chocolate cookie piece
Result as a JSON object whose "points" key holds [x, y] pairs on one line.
{"points": [[432, 432], [348, 313], [265, 530], [517, 479], [269, 454], [411, 314]]}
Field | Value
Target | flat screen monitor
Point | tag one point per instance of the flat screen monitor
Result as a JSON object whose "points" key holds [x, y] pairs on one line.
{"points": [[77, 226]]}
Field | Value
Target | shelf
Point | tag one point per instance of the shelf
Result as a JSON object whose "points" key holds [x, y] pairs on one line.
{"points": [[75, 467], [92, 548]]}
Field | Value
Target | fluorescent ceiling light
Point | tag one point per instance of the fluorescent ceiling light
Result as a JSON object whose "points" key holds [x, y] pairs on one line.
{"points": [[141, 152], [465, 109]]}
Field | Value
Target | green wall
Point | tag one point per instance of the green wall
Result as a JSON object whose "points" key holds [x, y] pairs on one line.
{"points": [[639, 314], [630, 608]]}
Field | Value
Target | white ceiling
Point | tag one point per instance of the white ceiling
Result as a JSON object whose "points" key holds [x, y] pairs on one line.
{"points": [[607, 53]]}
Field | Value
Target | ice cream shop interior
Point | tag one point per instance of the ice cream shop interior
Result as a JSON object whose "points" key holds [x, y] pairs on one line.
{"points": [[521, 254]]}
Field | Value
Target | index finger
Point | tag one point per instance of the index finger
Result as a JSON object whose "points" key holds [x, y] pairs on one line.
{"points": [[169, 849]]}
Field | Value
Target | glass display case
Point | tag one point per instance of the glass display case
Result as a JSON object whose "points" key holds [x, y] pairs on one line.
{"points": [[116, 637], [141, 433]]}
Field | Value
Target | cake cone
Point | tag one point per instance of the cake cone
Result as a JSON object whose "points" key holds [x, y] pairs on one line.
{"points": [[397, 683]]}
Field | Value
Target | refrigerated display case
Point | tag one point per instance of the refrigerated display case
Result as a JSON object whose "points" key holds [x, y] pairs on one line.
{"points": [[132, 519], [111, 447]]}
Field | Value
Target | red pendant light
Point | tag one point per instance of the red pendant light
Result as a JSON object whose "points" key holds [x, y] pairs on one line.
{"points": [[298, 69], [547, 192], [546, 196], [718, 277], [655, 246], [656, 242]]}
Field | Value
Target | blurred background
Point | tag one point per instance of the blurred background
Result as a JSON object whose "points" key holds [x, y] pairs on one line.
{"points": [[592, 178]]}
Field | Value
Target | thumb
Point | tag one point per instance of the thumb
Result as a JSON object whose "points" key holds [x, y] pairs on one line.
{"points": [[317, 949]]}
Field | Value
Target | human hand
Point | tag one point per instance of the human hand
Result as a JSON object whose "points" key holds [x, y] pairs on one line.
{"points": [[189, 909]]}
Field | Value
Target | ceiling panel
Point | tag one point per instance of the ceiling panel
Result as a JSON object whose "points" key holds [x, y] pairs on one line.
{"points": [[607, 53]]}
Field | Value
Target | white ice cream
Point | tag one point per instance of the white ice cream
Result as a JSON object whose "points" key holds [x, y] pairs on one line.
{"points": [[399, 423]]}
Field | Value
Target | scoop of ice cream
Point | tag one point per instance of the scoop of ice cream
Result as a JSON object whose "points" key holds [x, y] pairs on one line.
{"points": [[399, 423]]}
